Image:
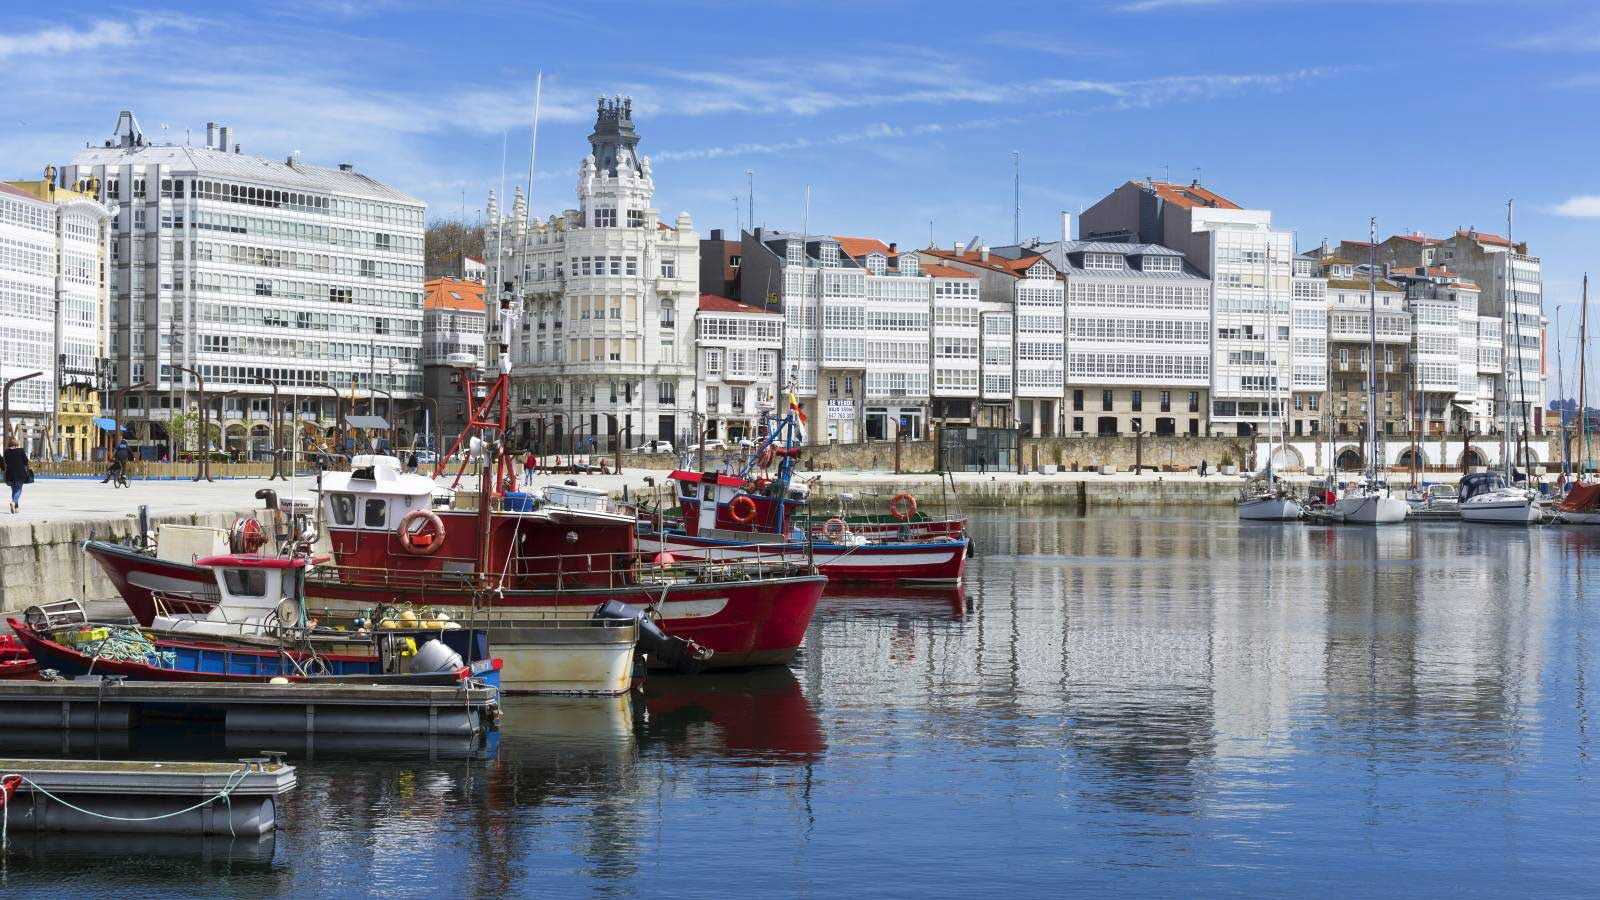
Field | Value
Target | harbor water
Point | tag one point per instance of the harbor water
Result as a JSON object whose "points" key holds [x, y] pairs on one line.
{"points": [[1159, 704]]}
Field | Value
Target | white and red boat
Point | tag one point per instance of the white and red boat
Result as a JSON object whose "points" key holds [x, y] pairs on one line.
{"points": [[754, 516], [394, 539]]}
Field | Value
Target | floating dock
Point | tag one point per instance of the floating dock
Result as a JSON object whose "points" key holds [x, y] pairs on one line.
{"points": [[103, 704], [237, 799]]}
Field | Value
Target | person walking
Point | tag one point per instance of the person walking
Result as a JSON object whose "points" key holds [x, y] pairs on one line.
{"points": [[17, 471], [1203, 466], [528, 466], [411, 462]]}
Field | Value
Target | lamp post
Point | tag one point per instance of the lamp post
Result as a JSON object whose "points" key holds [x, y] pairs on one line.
{"points": [[222, 417], [338, 415], [437, 429], [203, 456], [116, 408], [277, 455], [5, 401], [389, 419]]}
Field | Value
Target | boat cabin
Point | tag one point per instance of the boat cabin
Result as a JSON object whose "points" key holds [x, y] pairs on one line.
{"points": [[716, 501], [1481, 483], [254, 594]]}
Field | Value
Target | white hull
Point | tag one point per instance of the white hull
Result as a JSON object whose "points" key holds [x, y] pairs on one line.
{"points": [[1270, 509], [540, 668], [1580, 518], [1510, 511], [1371, 509]]}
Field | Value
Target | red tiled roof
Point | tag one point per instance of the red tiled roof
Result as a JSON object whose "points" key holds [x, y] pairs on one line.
{"points": [[1484, 237], [937, 271], [1014, 267], [1191, 195], [859, 247], [715, 303], [1415, 239], [450, 293]]}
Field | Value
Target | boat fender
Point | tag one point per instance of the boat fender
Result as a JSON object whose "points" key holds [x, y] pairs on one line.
{"points": [[434, 656], [743, 509], [421, 542], [903, 506], [684, 656]]}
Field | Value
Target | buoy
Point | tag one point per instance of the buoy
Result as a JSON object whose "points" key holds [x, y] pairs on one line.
{"points": [[665, 558], [408, 616], [278, 679]]}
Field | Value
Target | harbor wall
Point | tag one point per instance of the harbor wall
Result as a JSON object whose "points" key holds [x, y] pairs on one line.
{"points": [[43, 561], [1071, 494]]}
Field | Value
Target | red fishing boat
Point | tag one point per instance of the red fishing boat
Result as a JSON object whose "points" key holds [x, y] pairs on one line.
{"points": [[398, 538], [751, 515], [15, 661]]}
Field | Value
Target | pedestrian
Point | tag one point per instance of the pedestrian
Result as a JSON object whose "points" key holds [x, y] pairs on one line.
{"points": [[1561, 483], [411, 462], [1203, 466], [17, 471], [529, 464]]}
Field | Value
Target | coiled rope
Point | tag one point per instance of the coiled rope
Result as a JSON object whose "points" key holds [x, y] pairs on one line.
{"points": [[234, 780]]}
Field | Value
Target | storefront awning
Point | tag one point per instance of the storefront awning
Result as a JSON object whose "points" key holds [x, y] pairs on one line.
{"points": [[106, 424], [367, 423]]}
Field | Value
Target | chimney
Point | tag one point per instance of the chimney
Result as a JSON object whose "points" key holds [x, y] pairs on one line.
{"points": [[960, 248], [983, 253], [211, 135], [716, 234], [224, 138], [1066, 225], [892, 250], [347, 167]]}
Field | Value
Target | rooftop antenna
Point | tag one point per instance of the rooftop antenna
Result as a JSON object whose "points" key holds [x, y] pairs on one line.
{"points": [[1197, 174], [930, 232], [751, 175], [736, 219], [1166, 172], [1016, 196]]}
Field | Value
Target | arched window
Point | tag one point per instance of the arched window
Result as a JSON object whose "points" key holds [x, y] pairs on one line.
{"points": [[666, 314]]}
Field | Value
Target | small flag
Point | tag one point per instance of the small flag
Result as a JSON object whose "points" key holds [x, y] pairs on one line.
{"points": [[794, 404]]}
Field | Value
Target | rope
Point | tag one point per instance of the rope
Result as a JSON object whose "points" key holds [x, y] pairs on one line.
{"points": [[235, 779]]}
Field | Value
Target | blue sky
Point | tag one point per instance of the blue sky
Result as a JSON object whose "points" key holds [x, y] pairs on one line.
{"points": [[1426, 114]]}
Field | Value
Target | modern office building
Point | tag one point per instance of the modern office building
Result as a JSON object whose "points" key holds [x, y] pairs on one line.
{"points": [[54, 248], [248, 271], [605, 337]]}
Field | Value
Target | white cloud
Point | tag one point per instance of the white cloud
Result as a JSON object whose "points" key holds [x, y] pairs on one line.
{"points": [[100, 34], [1580, 207]]}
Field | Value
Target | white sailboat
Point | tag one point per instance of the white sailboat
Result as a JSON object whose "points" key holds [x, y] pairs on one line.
{"points": [[1264, 498], [1506, 504], [1368, 502]]}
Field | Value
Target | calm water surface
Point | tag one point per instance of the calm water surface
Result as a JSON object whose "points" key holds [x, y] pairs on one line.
{"points": [[1151, 705]]}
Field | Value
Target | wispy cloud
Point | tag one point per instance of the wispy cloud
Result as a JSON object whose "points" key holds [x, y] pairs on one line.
{"points": [[101, 34], [1046, 44], [1580, 207]]}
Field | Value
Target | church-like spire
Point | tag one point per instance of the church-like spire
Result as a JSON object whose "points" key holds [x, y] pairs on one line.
{"points": [[614, 141]]}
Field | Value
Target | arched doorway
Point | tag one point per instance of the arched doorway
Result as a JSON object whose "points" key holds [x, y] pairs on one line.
{"points": [[1472, 456], [1287, 457], [1412, 457], [1348, 459]]}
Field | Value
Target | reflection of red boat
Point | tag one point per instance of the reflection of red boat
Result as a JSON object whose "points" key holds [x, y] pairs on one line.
{"points": [[15, 661], [756, 718]]}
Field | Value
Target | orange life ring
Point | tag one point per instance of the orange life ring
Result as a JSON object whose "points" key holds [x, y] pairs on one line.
{"points": [[833, 529], [421, 542], [743, 509], [906, 511]]}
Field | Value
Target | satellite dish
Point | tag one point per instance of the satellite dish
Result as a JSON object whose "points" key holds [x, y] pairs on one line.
{"points": [[461, 360], [475, 446]]}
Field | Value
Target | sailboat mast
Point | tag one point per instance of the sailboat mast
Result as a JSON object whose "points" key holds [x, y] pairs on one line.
{"points": [[1372, 355], [1583, 384], [1272, 363], [1509, 440]]}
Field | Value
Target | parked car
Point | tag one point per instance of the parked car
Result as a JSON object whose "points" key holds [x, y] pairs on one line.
{"points": [[654, 447], [715, 444], [426, 457]]}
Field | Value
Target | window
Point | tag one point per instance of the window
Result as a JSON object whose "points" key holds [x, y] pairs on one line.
{"points": [[375, 515], [849, 386], [1166, 401], [1077, 404], [736, 398], [669, 268], [713, 397], [1105, 400], [635, 218], [733, 261], [246, 582], [1077, 423], [713, 362], [344, 509], [1194, 401], [666, 314], [1138, 401], [667, 392], [605, 217], [833, 385]]}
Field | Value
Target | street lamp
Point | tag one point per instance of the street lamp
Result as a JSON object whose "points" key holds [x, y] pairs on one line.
{"points": [[388, 419], [277, 455], [5, 422], [203, 457], [338, 414]]}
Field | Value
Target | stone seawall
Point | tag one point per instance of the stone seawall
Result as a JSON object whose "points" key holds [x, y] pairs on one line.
{"points": [[44, 561], [1071, 494]]}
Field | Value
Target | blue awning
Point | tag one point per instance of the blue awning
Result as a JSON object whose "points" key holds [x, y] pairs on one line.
{"points": [[106, 424]]}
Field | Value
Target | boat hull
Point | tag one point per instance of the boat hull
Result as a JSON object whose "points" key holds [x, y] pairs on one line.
{"points": [[1502, 512], [1371, 509], [1270, 509], [931, 562], [744, 623]]}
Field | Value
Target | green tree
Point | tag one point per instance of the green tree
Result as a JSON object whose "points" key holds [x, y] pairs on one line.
{"points": [[445, 242]]}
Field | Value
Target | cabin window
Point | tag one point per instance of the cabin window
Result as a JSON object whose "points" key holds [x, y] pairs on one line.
{"points": [[245, 582], [375, 515], [344, 509], [708, 491]]}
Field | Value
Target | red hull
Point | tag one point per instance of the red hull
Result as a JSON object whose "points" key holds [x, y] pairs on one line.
{"points": [[743, 623], [934, 561]]}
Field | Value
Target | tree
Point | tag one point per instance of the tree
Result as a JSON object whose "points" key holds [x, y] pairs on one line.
{"points": [[445, 242]]}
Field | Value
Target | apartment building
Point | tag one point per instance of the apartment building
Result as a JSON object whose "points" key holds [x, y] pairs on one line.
{"points": [[737, 351], [1351, 331], [248, 271], [1309, 354], [1138, 346], [454, 321], [604, 339], [1511, 295], [1022, 312], [1445, 325], [1250, 267], [54, 248], [957, 337]]}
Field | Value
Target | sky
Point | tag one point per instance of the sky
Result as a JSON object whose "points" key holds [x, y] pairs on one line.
{"points": [[901, 117]]}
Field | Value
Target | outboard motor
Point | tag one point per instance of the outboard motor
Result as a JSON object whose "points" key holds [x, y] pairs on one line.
{"points": [[434, 657], [684, 656]]}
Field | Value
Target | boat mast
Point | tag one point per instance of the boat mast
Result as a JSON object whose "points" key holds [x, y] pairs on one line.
{"points": [[1516, 342], [1583, 385], [1272, 383], [1372, 357]]}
